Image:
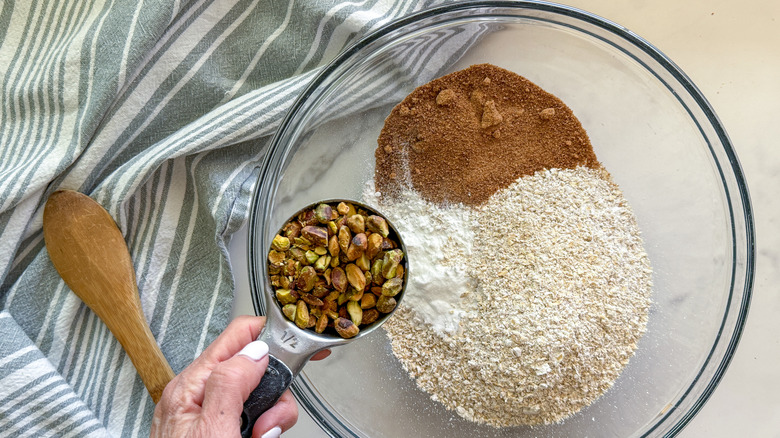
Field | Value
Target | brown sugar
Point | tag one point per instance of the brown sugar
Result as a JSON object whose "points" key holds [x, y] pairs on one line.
{"points": [[462, 137]]}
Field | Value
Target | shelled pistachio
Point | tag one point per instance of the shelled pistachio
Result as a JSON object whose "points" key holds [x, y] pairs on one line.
{"points": [[336, 268]]}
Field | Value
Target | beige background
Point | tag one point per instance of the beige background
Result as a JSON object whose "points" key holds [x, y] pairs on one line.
{"points": [[731, 51]]}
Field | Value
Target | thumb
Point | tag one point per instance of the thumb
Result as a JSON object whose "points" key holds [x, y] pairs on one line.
{"points": [[231, 382]]}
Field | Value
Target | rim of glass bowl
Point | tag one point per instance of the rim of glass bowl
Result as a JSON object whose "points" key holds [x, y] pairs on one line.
{"points": [[743, 266]]}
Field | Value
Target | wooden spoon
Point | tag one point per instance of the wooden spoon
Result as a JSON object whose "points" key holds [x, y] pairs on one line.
{"points": [[88, 250]]}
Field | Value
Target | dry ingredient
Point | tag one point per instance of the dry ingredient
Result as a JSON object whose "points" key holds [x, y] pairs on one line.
{"points": [[462, 137], [561, 298], [336, 267], [439, 240], [530, 284]]}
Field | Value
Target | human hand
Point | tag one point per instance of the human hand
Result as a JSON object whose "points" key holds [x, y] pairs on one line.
{"points": [[207, 398]]}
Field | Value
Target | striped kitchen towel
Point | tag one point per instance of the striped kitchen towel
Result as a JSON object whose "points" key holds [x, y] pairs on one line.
{"points": [[160, 111]]}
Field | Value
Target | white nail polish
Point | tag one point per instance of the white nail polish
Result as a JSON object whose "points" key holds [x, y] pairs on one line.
{"points": [[273, 433], [255, 350]]}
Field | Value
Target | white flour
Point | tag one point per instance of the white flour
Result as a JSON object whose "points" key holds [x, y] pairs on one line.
{"points": [[438, 241]]}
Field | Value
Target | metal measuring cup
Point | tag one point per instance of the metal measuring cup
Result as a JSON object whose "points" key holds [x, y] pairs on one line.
{"points": [[291, 347]]}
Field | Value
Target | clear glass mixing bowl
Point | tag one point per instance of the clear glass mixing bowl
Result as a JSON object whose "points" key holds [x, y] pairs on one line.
{"points": [[650, 127]]}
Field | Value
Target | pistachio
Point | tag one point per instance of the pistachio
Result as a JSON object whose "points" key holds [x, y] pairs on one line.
{"points": [[307, 218], [342, 208], [355, 312], [333, 246], [357, 247], [376, 271], [354, 294], [357, 223], [311, 300], [392, 287], [377, 224], [285, 296], [323, 213], [346, 328], [322, 324], [361, 241], [320, 291], [280, 243], [302, 314], [370, 315], [307, 279], [355, 277], [289, 311], [330, 309], [345, 237], [298, 255], [292, 230], [363, 263], [276, 258], [322, 263], [318, 236], [390, 262], [387, 245], [368, 301], [311, 257], [369, 278], [290, 267], [353, 252], [332, 296], [303, 243], [345, 209], [339, 279], [374, 245], [385, 304], [326, 276]]}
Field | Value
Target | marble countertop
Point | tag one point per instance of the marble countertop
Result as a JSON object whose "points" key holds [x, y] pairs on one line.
{"points": [[730, 51]]}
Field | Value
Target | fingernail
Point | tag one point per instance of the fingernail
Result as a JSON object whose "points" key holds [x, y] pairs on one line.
{"points": [[273, 433], [255, 350]]}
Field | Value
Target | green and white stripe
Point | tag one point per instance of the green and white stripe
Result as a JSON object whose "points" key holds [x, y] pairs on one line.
{"points": [[160, 110]]}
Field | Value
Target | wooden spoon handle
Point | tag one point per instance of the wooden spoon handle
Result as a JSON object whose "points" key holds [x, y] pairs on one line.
{"points": [[132, 331], [90, 253]]}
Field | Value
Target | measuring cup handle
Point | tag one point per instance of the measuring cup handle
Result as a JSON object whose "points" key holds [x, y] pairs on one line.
{"points": [[275, 381]]}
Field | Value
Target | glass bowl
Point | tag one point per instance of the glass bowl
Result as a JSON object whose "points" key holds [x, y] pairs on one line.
{"points": [[650, 127]]}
